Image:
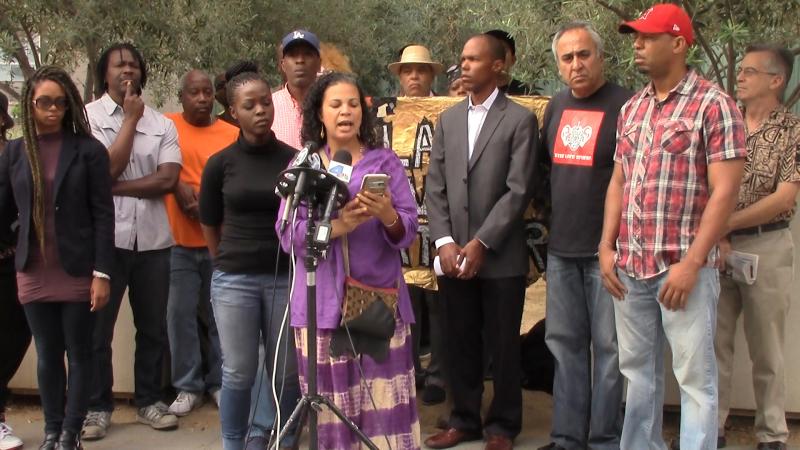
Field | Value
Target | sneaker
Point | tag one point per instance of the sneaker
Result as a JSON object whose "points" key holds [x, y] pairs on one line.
{"points": [[185, 403], [96, 425], [433, 395], [217, 396], [157, 416], [7, 439]]}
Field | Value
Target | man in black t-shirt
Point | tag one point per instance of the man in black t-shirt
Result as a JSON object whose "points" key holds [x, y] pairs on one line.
{"points": [[579, 135]]}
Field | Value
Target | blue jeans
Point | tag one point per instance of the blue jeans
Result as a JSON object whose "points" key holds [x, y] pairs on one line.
{"points": [[189, 284], [587, 388], [643, 327], [245, 310], [262, 405]]}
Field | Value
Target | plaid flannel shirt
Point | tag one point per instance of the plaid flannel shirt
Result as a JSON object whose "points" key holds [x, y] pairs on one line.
{"points": [[288, 119], [665, 148]]}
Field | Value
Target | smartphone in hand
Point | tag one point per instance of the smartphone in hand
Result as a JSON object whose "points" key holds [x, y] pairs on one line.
{"points": [[375, 183]]}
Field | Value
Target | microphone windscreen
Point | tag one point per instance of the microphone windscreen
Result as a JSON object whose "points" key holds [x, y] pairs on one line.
{"points": [[343, 157]]}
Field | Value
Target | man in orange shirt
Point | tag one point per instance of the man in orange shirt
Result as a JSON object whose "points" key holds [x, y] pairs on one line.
{"points": [[199, 137]]}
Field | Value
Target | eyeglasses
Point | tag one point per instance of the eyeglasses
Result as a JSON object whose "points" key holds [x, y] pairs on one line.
{"points": [[45, 102], [749, 72]]}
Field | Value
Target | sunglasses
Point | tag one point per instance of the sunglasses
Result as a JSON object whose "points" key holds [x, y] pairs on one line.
{"points": [[45, 102]]}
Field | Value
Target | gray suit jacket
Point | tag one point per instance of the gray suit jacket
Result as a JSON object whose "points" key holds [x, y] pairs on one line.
{"points": [[486, 196]]}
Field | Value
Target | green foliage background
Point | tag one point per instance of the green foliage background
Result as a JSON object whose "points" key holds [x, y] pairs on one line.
{"points": [[176, 35]]}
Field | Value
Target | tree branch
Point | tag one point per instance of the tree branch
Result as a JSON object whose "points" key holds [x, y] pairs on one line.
{"points": [[35, 51], [622, 14], [9, 90], [731, 56], [701, 39], [31, 43]]}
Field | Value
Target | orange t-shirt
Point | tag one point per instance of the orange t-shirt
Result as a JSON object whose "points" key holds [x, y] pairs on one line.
{"points": [[197, 145]]}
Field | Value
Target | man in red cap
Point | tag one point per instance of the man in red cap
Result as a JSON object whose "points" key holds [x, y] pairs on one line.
{"points": [[678, 166]]}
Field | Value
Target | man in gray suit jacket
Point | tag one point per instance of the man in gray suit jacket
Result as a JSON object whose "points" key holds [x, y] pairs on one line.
{"points": [[477, 188]]}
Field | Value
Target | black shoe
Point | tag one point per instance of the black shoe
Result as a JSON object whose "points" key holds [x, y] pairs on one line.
{"points": [[433, 395], [50, 441], [551, 446], [774, 445], [69, 441]]}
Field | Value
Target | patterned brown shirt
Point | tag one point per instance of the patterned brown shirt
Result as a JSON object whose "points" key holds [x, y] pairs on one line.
{"points": [[773, 156]]}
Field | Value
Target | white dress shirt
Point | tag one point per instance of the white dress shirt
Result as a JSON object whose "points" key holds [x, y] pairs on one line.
{"points": [[139, 221], [476, 115]]}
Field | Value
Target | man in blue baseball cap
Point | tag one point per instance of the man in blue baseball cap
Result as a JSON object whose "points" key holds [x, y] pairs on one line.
{"points": [[300, 63]]}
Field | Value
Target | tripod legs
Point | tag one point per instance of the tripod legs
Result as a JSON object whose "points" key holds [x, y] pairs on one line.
{"points": [[317, 402]]}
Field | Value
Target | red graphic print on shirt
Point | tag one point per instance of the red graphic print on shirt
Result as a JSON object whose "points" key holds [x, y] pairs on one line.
{"points": [[576, 140]]}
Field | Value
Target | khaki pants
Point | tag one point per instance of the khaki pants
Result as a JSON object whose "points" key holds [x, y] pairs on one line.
{"points": [[764, 306]]}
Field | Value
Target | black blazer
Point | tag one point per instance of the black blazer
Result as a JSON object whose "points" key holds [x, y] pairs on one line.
{"points": [[84, 208]]}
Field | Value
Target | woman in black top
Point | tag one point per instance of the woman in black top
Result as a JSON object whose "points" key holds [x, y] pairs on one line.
{"points": [[14, 332], [238, 210], [56, 182]]}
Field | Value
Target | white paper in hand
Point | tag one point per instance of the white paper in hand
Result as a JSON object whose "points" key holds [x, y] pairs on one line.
{"points": [[437, 266], [743, 267]]}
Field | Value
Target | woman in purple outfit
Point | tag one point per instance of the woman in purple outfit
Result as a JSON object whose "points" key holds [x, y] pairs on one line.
{"points": [[377, 227]]}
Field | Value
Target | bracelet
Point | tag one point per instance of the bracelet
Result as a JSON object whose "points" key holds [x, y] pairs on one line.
{"points": [[396, 219], [102, 275]]}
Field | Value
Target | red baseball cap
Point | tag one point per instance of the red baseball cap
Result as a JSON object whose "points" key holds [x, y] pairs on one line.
{"points": [[662, 18]]}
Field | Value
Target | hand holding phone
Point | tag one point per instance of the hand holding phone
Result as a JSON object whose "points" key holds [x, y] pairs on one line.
{"points": [[374, 183]]}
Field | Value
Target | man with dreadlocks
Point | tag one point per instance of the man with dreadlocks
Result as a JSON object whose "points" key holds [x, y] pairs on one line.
{"points": [[145, 163], [55, 181]]}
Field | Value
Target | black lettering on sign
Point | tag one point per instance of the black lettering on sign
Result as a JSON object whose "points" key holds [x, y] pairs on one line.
{"points": [[423, 141]]}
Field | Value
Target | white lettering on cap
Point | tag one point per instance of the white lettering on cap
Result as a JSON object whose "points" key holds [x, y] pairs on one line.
{"points": [[676, 28], [298, 35]]}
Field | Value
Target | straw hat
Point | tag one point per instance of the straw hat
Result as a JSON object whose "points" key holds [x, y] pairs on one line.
{"points": [[416, 54]]}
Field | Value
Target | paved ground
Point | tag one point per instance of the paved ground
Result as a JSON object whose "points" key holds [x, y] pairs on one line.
{"points": [[200, 430]]}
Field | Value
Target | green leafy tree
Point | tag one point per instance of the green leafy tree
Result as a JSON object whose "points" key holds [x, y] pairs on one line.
{"points": [[176, 35]]}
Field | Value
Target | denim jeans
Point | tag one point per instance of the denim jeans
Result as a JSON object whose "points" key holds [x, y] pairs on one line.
{"points": [[189, 285], [245, 310], [145, 274], [60, 327], [587, 388], [262, 405], [643, 327]]}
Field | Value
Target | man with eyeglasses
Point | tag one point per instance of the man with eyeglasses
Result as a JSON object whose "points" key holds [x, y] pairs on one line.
{"points": [[760, 226]]}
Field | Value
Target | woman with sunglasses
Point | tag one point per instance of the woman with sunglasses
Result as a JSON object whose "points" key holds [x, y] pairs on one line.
{"points": [[56, 181]]}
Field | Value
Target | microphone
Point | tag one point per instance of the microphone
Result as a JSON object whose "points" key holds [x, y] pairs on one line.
{"points": [[340, 167], [307, 157]]}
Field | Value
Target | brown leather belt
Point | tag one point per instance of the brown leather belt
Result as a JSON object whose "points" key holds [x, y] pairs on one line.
{"points": [[761, 228]]}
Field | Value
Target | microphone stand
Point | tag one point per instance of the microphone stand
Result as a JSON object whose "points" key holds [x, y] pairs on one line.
{"points": [[311, 403]]}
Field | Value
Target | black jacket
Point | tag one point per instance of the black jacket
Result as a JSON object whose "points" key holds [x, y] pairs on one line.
{"points": [[84, 208]]}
